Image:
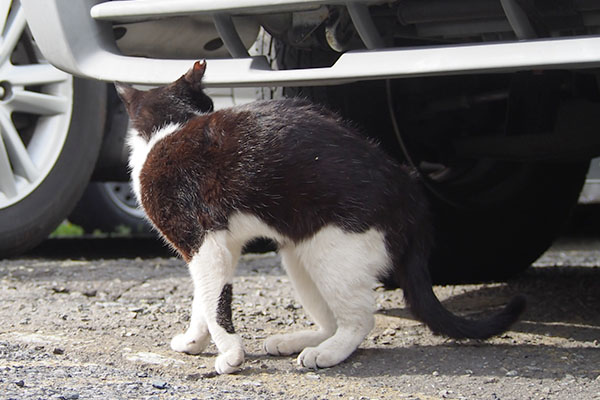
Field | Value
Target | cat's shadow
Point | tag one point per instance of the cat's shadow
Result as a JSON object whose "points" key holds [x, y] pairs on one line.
{"points": [[561, 301]]}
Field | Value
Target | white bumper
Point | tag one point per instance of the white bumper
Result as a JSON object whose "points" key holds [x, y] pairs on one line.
{"points": [[75, 42]]}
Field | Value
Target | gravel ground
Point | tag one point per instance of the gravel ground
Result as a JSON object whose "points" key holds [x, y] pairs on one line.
{"points": [[100, 329]]}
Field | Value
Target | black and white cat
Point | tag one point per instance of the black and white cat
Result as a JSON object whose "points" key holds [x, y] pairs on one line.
{"points": [[344, 215]]}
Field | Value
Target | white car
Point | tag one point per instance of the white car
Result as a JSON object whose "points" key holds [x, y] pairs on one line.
{"points": [[495, 102]]}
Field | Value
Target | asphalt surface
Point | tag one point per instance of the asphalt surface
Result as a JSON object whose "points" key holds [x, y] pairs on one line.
{"points": [[92, 320]]}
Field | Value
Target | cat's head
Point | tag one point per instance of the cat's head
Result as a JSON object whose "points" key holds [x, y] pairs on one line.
{"points": [[176, 102]]}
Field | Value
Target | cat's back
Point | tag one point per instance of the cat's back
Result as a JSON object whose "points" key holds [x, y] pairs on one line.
{"points": [[298, 125], [272, 109], [304, 132], [278, 134], [290, 113]]}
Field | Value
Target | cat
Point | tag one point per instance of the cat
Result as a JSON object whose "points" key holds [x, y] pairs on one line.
{"points": [[345, 217]]}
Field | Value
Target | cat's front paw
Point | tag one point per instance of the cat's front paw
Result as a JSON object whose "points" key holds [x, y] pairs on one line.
{"points": [[293, 343], [230, 361], [314, 358], [190, 344], [281, 345]]}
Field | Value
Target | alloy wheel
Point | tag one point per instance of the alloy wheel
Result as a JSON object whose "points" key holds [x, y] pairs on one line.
{"points": [[36, 102]]}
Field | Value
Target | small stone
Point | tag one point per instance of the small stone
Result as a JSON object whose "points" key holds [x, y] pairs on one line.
{"points": [[58, 351], [490, 380], [160, 384], [69, 396], [20, 383], [210, 375], [512, 373], [312, 375], [435, 373], [193, 377], [90, 293]]}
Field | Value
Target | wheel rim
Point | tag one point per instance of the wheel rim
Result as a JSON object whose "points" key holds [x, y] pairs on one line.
{"points": [[121, 195], [36, 103]]}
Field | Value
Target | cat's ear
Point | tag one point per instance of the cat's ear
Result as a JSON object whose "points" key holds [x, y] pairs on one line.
{"points": [[125, 92], [195, 74]]}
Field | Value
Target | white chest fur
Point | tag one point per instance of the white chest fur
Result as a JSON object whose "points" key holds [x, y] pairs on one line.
{"points": [[138, 152]]}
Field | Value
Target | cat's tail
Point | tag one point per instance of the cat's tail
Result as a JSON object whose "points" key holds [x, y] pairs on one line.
{"points": [[426, 307]]}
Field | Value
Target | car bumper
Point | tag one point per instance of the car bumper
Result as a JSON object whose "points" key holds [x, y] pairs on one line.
{"points": [[74, 41]]}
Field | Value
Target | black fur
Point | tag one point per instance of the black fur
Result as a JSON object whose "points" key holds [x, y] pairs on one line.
{"points": [[224, 309]]}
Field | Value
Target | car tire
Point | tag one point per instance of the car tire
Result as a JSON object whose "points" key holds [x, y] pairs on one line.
{"points": [[27, 223], [51, 127], [497, 243]]}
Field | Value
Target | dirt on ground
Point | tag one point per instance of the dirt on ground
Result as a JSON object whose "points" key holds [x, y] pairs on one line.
{"points": [[100, 329]]}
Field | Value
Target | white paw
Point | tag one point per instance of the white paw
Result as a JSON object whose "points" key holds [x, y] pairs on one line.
{"points": [[281, 345], [314, 357], [293, 343], [229, 362], [190, 344]]}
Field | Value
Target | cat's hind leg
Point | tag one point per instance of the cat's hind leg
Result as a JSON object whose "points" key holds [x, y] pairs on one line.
{"points": [[345, 267], [212, 270], [314, 305]]}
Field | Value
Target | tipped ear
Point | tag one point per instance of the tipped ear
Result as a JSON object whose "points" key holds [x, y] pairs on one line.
{"points": [[125, 92], [196, 73]]}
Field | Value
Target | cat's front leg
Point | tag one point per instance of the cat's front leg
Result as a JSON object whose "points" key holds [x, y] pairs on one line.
{"points": [[197, 337], [212, 269], [231, 350]]}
